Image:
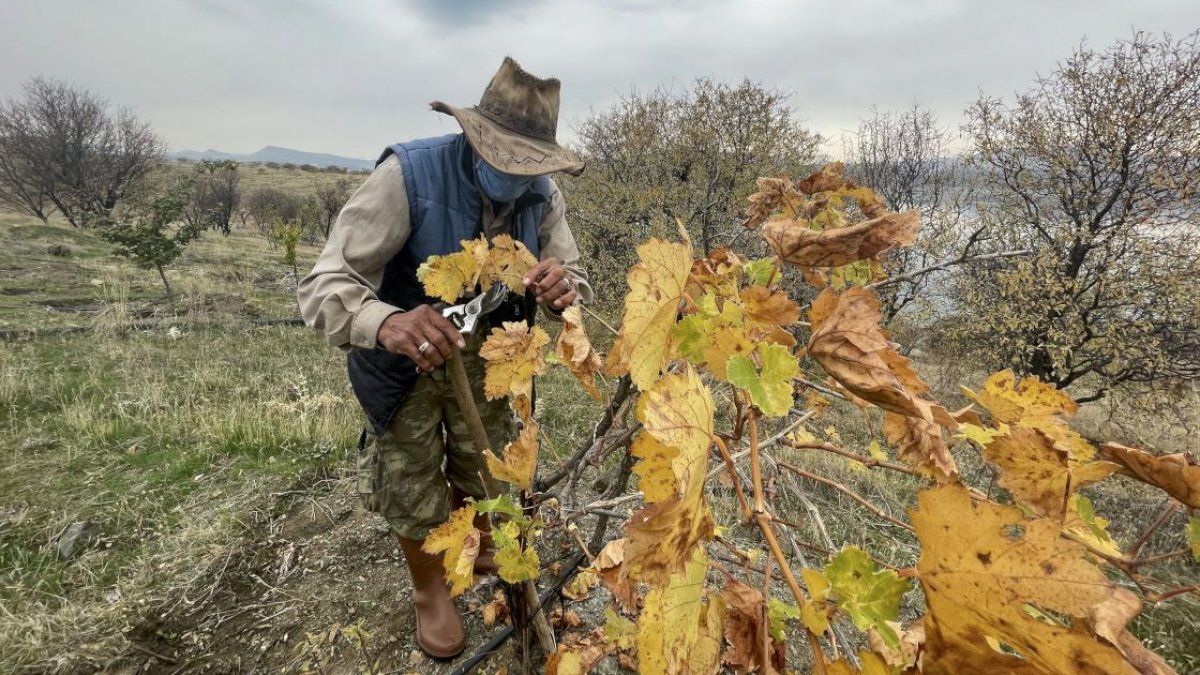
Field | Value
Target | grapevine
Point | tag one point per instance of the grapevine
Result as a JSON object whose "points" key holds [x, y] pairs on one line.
{"points": [[713, 378]]}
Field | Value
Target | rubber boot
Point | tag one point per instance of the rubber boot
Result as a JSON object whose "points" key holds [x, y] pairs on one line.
{"points": [[440, 632], [485, 562]]}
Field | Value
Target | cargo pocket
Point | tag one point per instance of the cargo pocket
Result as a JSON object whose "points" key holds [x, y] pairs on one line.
{"points": [[369, 468]]}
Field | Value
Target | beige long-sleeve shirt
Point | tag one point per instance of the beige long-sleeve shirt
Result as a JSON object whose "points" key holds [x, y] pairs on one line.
{"points": [[338, 297]]}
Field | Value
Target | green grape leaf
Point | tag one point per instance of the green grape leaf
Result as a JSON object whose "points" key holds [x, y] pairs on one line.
{"points": [[871, 597], [779, 613], [762, 271], [771, 389], [516, 564]]}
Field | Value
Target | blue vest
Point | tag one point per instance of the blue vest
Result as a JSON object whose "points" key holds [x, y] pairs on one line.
{"points": [[445, 207]]}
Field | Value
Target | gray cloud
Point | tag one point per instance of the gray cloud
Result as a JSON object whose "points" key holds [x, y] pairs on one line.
{"points": [[351, 77]]}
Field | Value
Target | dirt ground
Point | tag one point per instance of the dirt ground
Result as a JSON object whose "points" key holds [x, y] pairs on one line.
{"points": [[282, 597]]}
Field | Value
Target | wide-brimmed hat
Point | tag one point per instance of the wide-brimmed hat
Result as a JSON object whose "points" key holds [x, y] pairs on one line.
{"points": [[513, 127]]}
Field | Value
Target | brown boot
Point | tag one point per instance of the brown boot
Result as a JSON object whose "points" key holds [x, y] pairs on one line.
{"points": [[440, 631], [485, 562]]}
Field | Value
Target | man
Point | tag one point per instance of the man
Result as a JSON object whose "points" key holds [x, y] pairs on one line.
{"points": [[416, 458]]}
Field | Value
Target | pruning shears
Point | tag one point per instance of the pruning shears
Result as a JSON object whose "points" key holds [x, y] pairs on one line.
{"points": [[466, 316]]}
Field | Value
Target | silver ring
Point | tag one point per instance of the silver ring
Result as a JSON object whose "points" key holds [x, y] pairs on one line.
{"points": [[567, 281], [423, 347]]}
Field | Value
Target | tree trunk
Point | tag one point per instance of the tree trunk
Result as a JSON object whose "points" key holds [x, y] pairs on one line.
{"points": [[162, 274]]}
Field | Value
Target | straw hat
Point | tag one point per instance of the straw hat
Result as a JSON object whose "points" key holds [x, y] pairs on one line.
{"points": [[513, 127]]}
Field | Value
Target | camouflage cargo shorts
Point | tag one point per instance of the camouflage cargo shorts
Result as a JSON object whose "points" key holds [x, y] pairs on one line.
{"points": [[405, 474]]}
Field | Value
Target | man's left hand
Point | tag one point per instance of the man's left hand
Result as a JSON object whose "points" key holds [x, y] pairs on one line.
{"points": [[551, 285]]}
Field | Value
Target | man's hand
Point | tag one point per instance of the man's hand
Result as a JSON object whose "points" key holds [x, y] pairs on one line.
{"points": [[406, 332], [553, 287]]}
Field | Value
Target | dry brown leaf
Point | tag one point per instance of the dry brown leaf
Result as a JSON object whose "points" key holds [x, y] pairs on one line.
{"points": [[768, 309], [920, 444], [575, 351], [745, 627], [1178, 475], [797, 243]]}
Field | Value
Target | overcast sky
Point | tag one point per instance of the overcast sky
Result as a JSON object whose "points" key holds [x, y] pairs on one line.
{"points": [[352, 77]]}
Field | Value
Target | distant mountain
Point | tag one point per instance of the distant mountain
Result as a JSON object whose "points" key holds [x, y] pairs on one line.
{"points": [[272, 153]]}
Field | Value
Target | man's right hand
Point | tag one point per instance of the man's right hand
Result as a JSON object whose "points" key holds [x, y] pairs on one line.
{"points": [[405, 332]]}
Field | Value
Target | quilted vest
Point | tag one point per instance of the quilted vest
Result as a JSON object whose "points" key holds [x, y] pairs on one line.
{"points": [[445, 207]]}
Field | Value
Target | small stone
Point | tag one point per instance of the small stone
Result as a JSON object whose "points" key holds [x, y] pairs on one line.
{"points": [[77, 537]]}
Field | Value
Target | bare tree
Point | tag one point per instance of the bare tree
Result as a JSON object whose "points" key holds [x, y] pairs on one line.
{"points": [[693, 157], [1096, 169], [331, 197], [267, 205], [84, 157], [215, 195], [22, 181], [907, 158]]}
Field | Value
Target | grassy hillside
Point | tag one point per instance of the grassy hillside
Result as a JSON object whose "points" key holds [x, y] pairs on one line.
{"points": [[210, 453]]}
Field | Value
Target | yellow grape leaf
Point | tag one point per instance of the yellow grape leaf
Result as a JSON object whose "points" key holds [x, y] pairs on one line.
{"points": [[514, 355], [815, 613], [870, 596], [678, 412], [744, 614], [516, 563], [575, 351], [448, 277], [679, 631], [564, 661], [876, 451], [771, 388], [797, 243], [581, 586], [1178, 475], [778, 614], [766, 308], [507, 262], [1010, 402], [1193, 536], [656, 285], [1038, 472], [619, 632], [458, 540], [656, 478], [1081, 520], [520, 459], [711, 336], [980, 435], [978, 580], [1033, 404]]}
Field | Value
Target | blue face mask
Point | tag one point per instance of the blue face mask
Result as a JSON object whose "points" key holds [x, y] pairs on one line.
{"points": [[498, 186]]}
